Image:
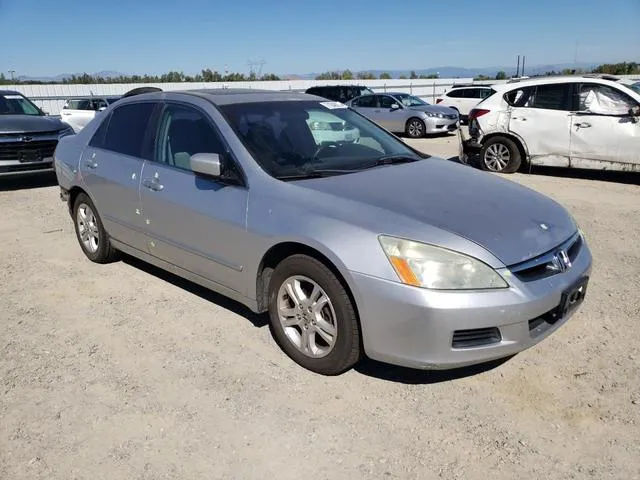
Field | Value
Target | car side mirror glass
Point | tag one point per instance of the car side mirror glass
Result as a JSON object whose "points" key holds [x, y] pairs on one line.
{"points": [[206, 164]]}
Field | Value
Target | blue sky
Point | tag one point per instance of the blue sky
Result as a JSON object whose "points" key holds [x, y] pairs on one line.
{"points": [[48, 37]]}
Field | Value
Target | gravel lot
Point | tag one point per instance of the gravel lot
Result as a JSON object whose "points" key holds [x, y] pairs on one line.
{"points": [[125, 372]]}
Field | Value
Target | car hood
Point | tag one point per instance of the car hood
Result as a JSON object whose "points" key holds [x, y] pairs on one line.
{"points": [[500, 215], [434, 109], [29, 124]]}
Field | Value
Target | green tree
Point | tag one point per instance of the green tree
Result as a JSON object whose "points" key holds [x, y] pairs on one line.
{"points": [[501, 75], [385, 76], [3, 79], [413, 74], [366, 76], [347, 75]]}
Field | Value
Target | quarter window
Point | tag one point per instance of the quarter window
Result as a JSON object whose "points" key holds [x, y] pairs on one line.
{"points": [[128, 129], [185, 131]]}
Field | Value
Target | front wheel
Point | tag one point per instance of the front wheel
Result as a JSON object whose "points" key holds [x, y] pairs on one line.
{"points": [[415, 128], [312, 316], [500, 154]]}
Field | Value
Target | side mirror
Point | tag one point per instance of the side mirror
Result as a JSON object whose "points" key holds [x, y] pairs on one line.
{"points": [[634, 111], [207, 164], [102, 109], [395, 106]]}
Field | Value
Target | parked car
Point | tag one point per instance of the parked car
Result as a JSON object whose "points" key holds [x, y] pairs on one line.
{"points": [[77, 112], [575, 122], [354, 248], [403, 113], [28, 137], [464, 98], [339, 93]]}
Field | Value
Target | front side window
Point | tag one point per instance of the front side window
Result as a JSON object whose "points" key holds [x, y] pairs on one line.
{"points": [[386, 101], [16, 104], [183, 132], [293, 139], [128, 130], [604, 100]]}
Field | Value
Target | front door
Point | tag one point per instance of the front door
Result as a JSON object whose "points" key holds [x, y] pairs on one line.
{"points": [[602, 129], [541, 117], [111, 166], [192, 221]]}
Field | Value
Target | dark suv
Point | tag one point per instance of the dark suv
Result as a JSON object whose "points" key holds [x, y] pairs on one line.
{"points": [[339, 93], [28, 137]]}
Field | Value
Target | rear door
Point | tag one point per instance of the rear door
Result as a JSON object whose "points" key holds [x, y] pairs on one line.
{"points": [[111, 167], [366, 105], [541, 116], [602, 129], [193, 221]]}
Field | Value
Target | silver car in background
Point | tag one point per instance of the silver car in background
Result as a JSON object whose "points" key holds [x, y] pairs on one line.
{"points": [[354, 248], [403, 113]]}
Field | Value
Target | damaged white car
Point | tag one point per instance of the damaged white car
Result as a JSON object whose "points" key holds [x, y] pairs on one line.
{"points": [[578, 122]]}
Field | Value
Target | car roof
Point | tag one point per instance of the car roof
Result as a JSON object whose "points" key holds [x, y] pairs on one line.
{"points": [[551, 80], [9, 92], [229, 96]]}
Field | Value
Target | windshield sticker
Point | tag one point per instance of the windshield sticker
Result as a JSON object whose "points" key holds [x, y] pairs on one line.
{"points": [[333, 105]]}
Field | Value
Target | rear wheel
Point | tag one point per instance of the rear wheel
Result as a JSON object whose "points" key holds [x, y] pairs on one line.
{"points": [[500, 154], [90, 232], [312, 316], [415, 128]]}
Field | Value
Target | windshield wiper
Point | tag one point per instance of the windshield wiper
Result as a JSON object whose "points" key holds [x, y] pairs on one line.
{"points": [[390, 160], [314, 174]]}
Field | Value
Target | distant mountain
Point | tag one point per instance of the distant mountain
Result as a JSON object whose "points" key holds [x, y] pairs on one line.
{"points": [[462, 72], [62, 76]]}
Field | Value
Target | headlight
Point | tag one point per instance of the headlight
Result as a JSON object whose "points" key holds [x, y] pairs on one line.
{"points": [[433, 114], [66, 131], [437, 268]]}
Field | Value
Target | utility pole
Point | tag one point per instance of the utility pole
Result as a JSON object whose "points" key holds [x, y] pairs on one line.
{"points": [[523, 57], [518, 68]]}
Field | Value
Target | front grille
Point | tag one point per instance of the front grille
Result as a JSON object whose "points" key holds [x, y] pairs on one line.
{"points": [[33, 151], [451, 117], [476, 337], [542, 266]]}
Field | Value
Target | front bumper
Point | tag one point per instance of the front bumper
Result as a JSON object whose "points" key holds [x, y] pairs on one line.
{"points": [[417, 328], [12, 168], [435, 125]]}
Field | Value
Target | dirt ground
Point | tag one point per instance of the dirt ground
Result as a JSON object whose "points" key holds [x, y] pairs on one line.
{"points": [[125, 372]]}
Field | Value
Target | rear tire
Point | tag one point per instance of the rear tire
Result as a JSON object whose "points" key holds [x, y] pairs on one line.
{"points": [[500, 155], [90, 232], [319, 331]]}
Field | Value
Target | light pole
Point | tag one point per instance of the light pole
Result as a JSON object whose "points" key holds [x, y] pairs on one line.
{"points": [[11, 72]]}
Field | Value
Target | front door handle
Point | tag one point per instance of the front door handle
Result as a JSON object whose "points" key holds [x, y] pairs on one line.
{"points": [[583, 125], [153, 184], [92, 164]]}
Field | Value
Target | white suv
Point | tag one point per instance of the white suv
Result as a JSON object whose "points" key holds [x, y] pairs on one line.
{"points": [[579, 122], [464, 98], [78, 112]]}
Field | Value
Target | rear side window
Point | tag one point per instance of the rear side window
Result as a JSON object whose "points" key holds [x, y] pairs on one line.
{"points": [[457, 93], [97, 141], [128, 128], [366, 101], [556, 96]]}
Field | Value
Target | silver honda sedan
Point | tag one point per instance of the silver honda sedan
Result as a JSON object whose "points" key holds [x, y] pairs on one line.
{"points": [[353, 246], [403, 113]]}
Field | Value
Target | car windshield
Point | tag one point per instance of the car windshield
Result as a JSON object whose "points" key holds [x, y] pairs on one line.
{"points": [[292, 139], [410, 101], [16, 104], [635, 87]]}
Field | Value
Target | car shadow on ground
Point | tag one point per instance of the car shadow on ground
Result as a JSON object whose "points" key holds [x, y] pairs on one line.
{"points": [[370, 368], [411, 376], [36, 180], [258, 321], [631, 178]]}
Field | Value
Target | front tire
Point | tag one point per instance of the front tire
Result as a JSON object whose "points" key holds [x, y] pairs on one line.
{"points": [[501, 155], [415, 128], [312, 317], [90, 232]]}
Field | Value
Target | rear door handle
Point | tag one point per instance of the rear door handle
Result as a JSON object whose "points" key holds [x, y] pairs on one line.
{"points": [[91, 164], [153, 184], [583, 125]]}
